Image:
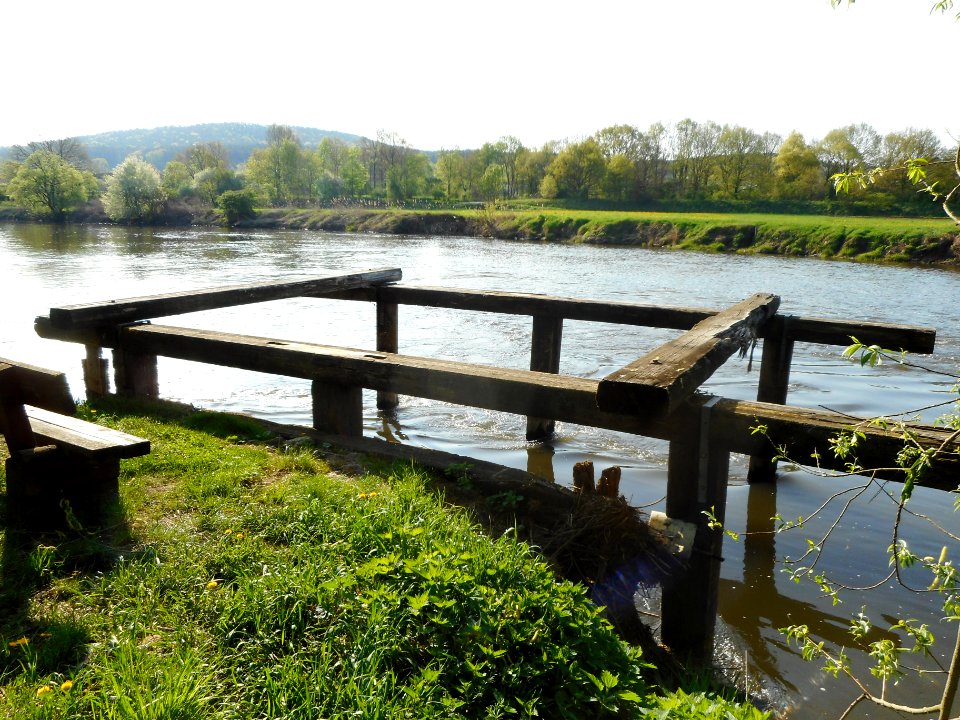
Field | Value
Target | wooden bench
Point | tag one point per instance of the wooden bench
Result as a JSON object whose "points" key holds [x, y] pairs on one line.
{"points": [[62, 471]]}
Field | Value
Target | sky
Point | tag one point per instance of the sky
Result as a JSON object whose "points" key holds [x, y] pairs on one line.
{"points": [[459, 73]]}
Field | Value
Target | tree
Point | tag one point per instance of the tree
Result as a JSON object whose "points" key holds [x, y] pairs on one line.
{"points": [[578, 169], [741, 159], [451, 170], [47, 184], [797, 170], [134, 192], [71, 150], [353, 173]]}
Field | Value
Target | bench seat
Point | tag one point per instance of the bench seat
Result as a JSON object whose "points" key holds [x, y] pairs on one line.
{"points": [[84, 438]]}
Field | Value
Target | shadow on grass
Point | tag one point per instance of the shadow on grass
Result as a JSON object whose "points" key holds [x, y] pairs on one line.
{"points": [[39, 632]]}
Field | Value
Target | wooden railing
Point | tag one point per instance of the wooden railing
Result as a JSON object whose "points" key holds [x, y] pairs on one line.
{"points": [[654, 396]]}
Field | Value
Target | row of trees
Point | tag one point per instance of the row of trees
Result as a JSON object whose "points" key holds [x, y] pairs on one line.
{"points": [[621, 163]]}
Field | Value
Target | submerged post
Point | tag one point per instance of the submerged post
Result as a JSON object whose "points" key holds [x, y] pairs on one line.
{"points": [[544, 357], [773, 387], [696, 482], [388, 332]]}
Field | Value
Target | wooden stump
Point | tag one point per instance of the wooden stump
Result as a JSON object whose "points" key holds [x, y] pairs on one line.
{"points": [[583, 477], [609, 485], [337, 409]]}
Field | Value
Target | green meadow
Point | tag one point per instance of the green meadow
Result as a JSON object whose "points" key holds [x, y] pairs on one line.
{"points": [[242, 578]]}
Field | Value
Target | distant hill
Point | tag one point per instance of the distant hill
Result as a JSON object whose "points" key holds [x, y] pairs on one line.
{"points": [[159, 145]]}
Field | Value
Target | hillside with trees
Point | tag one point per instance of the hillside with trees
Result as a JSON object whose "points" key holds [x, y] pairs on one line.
{"points": [[686, 166]]}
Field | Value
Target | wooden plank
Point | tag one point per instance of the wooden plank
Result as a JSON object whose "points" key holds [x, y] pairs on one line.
{"points": [[14, 425], [830, 331], [565, 398], [388, 340], [697, 476], [152, 306], [660, 380], [825, 331], [39, 386], [773, 388], [337, 408], [512, 303], [83, 437], [545, 343]]}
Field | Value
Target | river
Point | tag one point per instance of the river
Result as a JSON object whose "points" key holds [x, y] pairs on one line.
{"points": [[43, 266]]}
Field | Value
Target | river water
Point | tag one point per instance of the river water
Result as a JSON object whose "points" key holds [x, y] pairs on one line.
{"points": [[43, 266]]}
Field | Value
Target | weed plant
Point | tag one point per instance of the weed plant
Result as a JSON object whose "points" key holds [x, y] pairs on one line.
{"points": [[245, 581]]}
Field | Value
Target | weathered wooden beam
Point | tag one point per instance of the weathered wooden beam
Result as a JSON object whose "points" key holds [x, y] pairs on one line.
{"points": [[14, 425], [388, 340], [95, 372], [773, 387], [84, 438], [523, 392], [337, 408], [39, 386], [135, 374], [663, 378], [697, 476], [824, 331], [546, 339], [152, 306]]}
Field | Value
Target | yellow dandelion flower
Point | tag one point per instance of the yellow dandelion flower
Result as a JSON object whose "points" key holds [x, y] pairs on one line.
{"points": [[227, 531], [20, 642], [213, 585], [43, 690], [66, 685], [239, 536]]}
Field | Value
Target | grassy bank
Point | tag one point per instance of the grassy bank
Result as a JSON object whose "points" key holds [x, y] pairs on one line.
{"points": [[243, 579], [916, 240]]}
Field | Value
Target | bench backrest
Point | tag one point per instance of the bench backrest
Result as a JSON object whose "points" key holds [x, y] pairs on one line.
{"points": [[22, 384]]}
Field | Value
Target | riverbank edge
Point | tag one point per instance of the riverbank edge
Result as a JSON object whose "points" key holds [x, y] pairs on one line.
{"points": [[169, 510], [847, 238]]}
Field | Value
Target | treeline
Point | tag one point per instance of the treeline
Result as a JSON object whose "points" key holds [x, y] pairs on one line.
{"points": [[688, 164]]}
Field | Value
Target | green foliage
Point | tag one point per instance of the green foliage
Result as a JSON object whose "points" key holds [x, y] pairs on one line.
{"points": [[237, 205], [47, 184], [251, 584], [133, 192]]}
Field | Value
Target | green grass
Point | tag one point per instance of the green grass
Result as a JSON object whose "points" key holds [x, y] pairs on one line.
{"points": [[840, 237], [246, 581]]}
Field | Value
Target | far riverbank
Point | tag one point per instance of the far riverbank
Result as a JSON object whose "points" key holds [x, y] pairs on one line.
{"points": [[865, 239]]}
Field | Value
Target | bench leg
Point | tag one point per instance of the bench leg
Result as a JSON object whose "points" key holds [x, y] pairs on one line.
{"points": [[48, 491]]}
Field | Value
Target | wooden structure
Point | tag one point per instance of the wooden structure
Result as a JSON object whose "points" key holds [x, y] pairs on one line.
{"points": [[61, 469], [655, 396]]}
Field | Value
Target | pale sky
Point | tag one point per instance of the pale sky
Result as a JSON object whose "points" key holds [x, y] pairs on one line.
{"points": [[457, 74]]}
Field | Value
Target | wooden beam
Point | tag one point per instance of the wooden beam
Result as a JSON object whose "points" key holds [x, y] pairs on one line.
{"points": [[773, 387], [545, 342], [39, 386], [663, 378], [697, 476], [523, 392], [824, 331], [388, 340], [14, 425], [152, 306]]}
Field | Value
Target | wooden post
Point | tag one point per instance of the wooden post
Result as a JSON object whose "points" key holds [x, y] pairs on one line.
{"points": [[95, 369], [135, 374], [774, 383], [337, 409], [544, 357], [696, 481], [388, 331], [583, 477], [609, 485]]}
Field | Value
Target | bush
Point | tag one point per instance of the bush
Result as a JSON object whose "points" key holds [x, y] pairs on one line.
{"points": [[236, 205]]}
